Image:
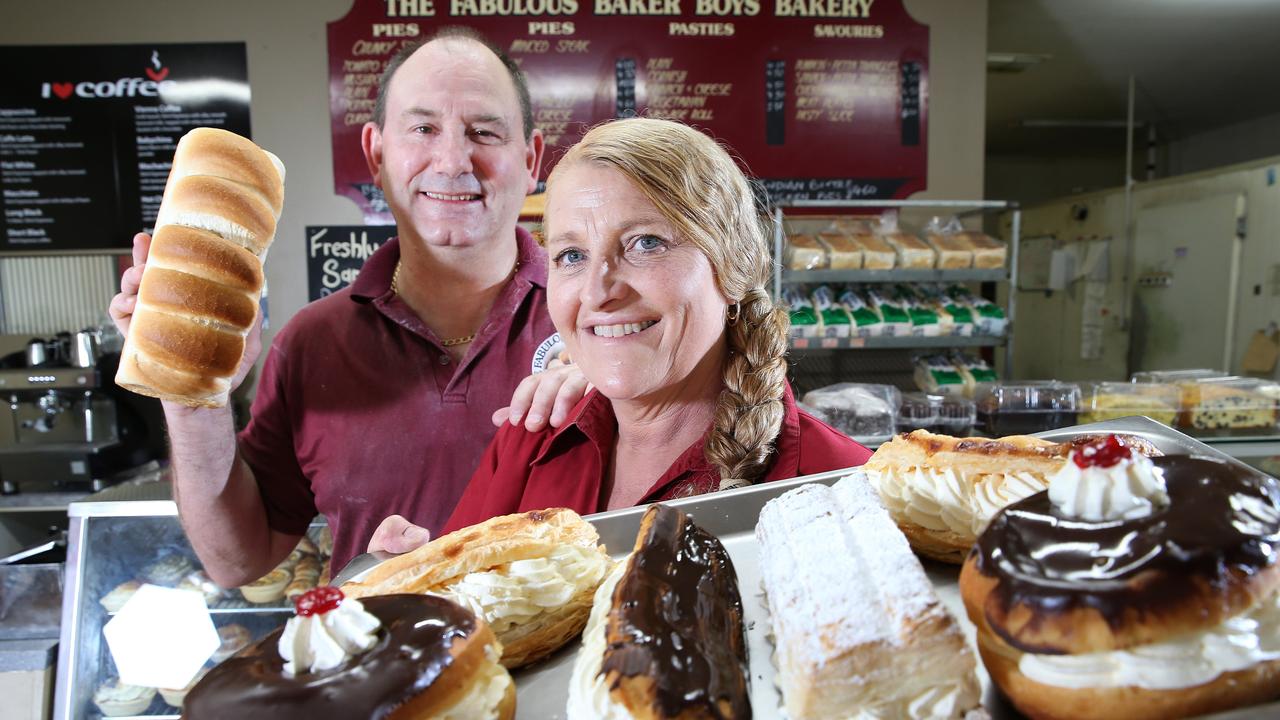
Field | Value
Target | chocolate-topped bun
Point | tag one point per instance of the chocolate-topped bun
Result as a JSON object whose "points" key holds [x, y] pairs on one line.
{"points": [[665, 638], [394, 656], [1132, 588]]}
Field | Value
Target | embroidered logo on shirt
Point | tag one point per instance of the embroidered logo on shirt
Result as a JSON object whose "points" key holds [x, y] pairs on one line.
{"points": [[550, 349]]}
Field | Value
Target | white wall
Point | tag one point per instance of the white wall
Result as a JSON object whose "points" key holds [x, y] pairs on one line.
{"points": [[1048, 327], [288, 72]]}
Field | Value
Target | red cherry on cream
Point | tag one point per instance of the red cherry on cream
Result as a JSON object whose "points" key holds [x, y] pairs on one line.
{"points": [[1101, 453], [318, 601]]}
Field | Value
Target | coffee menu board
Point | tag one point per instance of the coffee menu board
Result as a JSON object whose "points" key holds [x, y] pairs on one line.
{"points": [[87, 135], [820, 99], [335, 254]]}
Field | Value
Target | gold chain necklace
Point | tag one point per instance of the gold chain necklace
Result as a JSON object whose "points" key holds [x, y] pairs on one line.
{"points": [[450, 342]]}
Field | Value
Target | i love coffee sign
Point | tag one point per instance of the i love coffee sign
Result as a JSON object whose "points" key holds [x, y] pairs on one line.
{"points": [[87, 135]]}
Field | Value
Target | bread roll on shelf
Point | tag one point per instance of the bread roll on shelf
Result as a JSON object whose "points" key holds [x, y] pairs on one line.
{"points": [[203, 279]]}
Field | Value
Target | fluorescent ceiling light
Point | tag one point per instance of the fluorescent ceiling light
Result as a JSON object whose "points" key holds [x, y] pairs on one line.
{"points": [[1014, 62]]}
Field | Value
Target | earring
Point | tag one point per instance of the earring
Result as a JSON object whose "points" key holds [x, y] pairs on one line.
{"points": [[732, 312]]}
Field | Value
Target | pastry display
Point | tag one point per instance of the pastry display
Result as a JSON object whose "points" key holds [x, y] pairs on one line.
{"points": [[1111, 400], [199, 293], [942, 491], [666, 636], [393, 656], [233, 638], [858, 629], [1023, 408], [119, 595], [859, 410], [175, 696], [199, 582], [530, 576], [305, 576], [268, 588], [1132, 588], [116, 699], [1228, 404], [168, 571]]}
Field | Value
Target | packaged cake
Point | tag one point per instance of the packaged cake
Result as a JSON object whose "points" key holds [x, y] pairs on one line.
{"points": [[866, 412]]}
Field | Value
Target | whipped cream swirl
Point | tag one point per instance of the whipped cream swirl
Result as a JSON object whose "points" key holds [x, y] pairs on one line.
{"points": [[946, 500], [323, 641], [589, 697], [1238, 643], [1131, 488], [523, 589]]}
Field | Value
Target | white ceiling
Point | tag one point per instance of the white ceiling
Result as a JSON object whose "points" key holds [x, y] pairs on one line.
{"points": [[1198, 65]]}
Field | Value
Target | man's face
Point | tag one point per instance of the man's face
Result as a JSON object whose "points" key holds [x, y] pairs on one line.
{"points": [[451, 156]]}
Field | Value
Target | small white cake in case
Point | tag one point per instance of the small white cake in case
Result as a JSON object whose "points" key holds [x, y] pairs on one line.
{"points": [[859, 631]]}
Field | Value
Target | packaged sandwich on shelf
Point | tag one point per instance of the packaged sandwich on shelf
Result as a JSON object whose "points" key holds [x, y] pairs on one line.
{"points": [[834, 318], [876, 253], [1023, 408], [925, 321], [936, 374], [911, 252], [1111, 400], [897, 323], [806, 252], [954, 252], [865, 319], [988, 253], [974, 371], [842, 251], [988, 317], [865, 412], [805, 320]]}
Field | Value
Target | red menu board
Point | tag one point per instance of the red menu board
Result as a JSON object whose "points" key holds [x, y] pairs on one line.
{"points": [[819, 99]]}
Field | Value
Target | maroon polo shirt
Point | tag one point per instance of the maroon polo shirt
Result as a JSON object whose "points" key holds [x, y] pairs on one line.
{"points": [[565, 468], [361, 414]]}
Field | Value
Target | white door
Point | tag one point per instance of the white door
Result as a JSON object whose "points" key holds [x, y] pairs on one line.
{"points": [[1186, 265]]}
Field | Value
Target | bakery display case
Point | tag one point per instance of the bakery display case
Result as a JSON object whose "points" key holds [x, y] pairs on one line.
{"points": [[117, 540]]}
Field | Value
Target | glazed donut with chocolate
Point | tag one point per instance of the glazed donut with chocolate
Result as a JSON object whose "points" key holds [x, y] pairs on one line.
{"points": [[666, 637], [395, 657], [1132, 588], [530, 575]]}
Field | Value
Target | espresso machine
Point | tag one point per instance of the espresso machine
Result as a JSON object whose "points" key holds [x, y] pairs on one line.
{"points": [[68, 426]]}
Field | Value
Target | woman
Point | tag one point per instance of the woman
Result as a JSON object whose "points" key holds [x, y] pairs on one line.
{"points": [[658, 265]]}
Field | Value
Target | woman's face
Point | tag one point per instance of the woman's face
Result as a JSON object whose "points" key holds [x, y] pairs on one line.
{"points": [[636, 304]]}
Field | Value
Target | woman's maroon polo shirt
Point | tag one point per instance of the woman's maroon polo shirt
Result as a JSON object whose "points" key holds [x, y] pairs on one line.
{"points": [[361, 414], [565, 467]]}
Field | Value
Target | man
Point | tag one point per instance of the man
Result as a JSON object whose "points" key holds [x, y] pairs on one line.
{"points": [[376, 401]]}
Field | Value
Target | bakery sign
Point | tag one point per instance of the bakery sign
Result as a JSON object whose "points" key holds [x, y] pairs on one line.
{"points": [[88, 132], [335, 254], [820, 99]]}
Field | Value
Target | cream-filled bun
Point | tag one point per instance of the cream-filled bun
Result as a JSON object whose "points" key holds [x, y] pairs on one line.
{"points": [[531, 576]]}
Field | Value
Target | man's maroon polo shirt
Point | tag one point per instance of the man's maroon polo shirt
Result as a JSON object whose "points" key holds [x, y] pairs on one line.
{"points": [[361, 414], [565, 468]]}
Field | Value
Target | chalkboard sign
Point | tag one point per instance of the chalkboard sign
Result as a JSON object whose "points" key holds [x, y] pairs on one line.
{"points": [[87, 134], [335, 254]]}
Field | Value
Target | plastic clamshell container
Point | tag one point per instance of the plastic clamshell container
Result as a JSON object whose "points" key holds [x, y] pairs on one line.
{"points": [[864, 412], [1174, 376], [1110, 400], [936, 413], [1229, 404], [1023, 408]]}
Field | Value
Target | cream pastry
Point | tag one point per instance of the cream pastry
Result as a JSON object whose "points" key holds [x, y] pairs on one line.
{"points": [[858, 629], [1132, 588], [530, 576], [116, 699]]}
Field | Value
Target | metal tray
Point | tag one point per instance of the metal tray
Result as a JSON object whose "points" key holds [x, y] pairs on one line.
{"points": [[542, 689]]}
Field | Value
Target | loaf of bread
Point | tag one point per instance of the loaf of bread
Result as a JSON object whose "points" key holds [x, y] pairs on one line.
{"points": [[203, 278], [913, 253], [845, 254], [954, 252]]}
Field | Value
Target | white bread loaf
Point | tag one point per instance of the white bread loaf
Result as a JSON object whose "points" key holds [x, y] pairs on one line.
{"points": [[203, 278]]}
